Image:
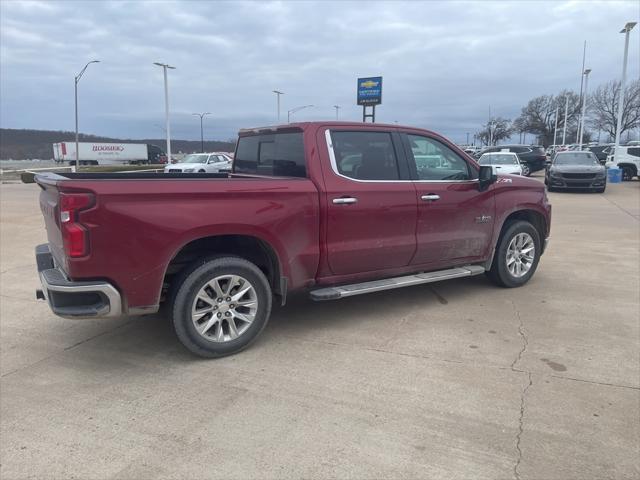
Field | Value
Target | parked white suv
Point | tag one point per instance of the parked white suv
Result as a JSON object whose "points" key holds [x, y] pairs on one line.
{"points": [[628, 159], [200, 163]]}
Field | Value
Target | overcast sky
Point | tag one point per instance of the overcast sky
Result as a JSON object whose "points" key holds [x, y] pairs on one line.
{"points": [[444, 63]]}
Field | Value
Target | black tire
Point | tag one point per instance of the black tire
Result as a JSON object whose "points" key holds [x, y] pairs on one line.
{"points": [[627, 174], [499, 273], [202, 171], [601, 190], [187, 286], [526, 171]]}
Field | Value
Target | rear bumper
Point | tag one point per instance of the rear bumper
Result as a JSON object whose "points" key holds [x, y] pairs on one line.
{"points": [[69, 299]]}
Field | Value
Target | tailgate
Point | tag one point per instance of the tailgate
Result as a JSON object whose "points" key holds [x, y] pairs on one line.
{"points": [[49, 200]]}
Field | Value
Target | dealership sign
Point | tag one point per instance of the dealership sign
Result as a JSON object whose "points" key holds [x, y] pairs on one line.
{"points": [[370, 91]]}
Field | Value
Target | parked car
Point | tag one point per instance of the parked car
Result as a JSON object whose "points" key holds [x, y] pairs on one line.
{"points": [[576, 170], [532, 157], [628, 159], [601, 152], [200, 163], [502, 162], [336, 209]]}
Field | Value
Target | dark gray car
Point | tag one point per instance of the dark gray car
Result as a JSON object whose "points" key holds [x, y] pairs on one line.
{"points": [[575, 171]]}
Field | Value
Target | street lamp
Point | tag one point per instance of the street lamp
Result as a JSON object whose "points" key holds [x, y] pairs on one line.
{"points": [[564, 127], [555, 129], [584, 105], [294, 110], [626, 30], [201, 115], [166, 106], [77, 79], [337, 107], [278, 93]]}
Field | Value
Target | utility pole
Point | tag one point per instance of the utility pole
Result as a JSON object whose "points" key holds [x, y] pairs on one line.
{"points": [[201, 115], [584, 106], [564, 127], [166, 106], [77, 79], [337, 107], [555, 129], [278, 93], [584, 54], [626, 30]]}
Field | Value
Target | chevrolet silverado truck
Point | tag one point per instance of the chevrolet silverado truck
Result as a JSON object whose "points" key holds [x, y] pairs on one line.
{"points": [[331, 208]]}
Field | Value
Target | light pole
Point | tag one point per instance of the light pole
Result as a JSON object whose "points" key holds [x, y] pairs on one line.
{"points": [[337, 107], [555, 129], [626, 30], [294, 110], [584, 105], [166, 106], [77, 79], [564, 127], [201, 115], [278, 93]]}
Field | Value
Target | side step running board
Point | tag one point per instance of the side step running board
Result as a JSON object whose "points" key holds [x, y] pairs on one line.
{"points": [[332, 293]]}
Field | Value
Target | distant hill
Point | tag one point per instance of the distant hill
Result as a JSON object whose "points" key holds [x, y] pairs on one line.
{"points": [[28, 144]]}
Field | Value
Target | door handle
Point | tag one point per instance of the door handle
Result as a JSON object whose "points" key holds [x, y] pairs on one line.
{"points": [[344, 200], [432, 197]]}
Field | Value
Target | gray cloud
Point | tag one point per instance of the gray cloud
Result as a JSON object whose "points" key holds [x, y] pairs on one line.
{"points": [[444, 63]]}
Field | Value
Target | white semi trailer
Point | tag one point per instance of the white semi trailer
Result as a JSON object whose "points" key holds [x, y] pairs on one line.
{"points": [[100, 153]]}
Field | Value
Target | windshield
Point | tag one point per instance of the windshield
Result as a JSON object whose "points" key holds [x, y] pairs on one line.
{"points": [[194, 158], [576, 158], [489, 159]]}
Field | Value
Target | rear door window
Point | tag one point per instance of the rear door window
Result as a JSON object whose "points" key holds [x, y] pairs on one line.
{"points": [[271, 154], [635, 151], [365, 155]]}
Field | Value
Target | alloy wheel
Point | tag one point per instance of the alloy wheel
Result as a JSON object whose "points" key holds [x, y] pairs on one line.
{"points": [[520, 254], [224, 308]]}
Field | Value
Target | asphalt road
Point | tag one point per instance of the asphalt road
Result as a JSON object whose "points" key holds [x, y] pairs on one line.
{"points": [[460, 379]]}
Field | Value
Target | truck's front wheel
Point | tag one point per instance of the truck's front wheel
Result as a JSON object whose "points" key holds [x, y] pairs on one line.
{"points": [[220, 306], [517, 255]]}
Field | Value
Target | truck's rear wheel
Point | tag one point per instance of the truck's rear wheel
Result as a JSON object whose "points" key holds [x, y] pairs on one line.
{"points": [[517, 255], [220, 306]]}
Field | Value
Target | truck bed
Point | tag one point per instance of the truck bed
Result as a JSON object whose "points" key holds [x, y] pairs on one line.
{"points": [[140, 221]]}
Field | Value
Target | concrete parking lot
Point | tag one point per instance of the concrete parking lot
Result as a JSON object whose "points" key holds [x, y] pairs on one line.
{"points": [[455, 380]]}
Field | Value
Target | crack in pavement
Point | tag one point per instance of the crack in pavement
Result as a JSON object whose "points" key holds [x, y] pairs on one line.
{"points": [[525, 344], [68, 348], [621, 208]]}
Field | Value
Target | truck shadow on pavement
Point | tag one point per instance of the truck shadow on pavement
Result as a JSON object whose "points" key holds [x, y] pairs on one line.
{"points": [[151, 339]]}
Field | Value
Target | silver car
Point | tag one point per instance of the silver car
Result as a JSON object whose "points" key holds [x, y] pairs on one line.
{"points": [[200, 163]]}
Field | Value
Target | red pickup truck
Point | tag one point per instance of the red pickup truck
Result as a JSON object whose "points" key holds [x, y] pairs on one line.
{"points": [[333, 208]]}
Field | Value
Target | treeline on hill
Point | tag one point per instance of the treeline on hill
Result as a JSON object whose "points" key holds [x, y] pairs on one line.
{"points": [[29, 144], [538, 117]]}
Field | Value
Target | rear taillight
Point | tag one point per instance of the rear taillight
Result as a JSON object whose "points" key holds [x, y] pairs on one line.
{"points": [[75, 236]]}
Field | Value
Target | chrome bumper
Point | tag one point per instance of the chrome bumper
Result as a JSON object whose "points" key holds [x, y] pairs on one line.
{"points": [[69, 299]]}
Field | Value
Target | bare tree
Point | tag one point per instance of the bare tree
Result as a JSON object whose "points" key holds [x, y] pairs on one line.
{"points": [[603, 107], [539, 115], [494, 130]]}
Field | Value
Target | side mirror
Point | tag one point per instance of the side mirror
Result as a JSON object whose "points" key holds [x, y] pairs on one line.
{"points": [[486, 177]]}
